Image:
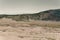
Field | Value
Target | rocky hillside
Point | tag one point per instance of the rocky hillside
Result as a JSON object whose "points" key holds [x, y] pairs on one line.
{"points": [[52, 15]]}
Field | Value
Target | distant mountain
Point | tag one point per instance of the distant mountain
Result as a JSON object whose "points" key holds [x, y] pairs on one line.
{"points": [[49, 15], [53, 15]]}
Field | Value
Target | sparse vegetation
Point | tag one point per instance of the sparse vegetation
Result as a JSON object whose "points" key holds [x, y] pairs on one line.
{"points": [[45, 23], [29, 30], [8, 22], [51, 39]]}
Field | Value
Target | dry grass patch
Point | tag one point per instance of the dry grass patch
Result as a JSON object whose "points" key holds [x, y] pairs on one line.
{"points": [[10, 22], [45, 23]]}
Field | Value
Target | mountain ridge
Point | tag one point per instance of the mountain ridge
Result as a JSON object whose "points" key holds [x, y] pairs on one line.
{"points": [[51, 15]]}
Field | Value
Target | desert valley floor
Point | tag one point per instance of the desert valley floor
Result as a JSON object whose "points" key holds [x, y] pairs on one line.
{"points": [[12, 30]]}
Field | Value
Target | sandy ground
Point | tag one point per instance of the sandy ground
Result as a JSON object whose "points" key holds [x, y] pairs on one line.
{"points": [[29, 33], [18, 32]]}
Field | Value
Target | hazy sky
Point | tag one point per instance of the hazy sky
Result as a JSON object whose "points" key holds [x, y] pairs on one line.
{"points": [[27, 6]]}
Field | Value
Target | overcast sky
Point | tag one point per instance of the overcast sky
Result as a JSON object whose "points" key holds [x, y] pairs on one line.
{"points": [[27, 6]]}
